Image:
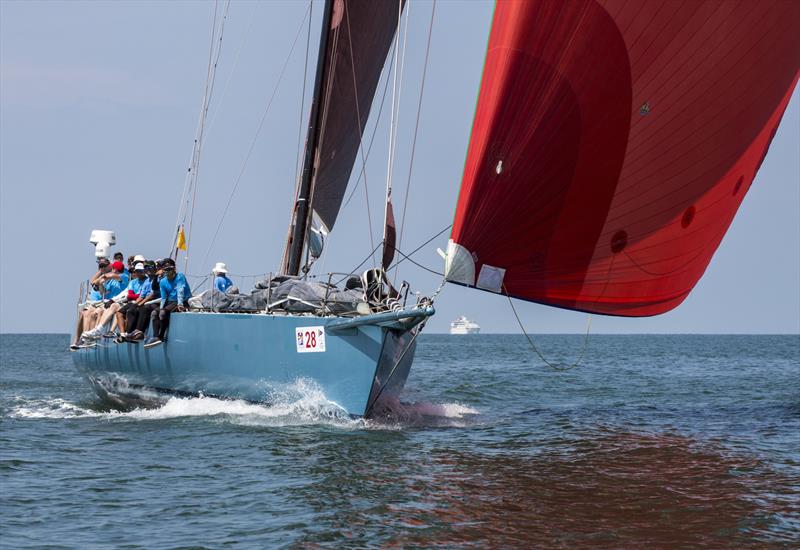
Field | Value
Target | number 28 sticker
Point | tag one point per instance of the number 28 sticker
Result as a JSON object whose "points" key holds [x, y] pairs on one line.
{"points": [[310, 339]]}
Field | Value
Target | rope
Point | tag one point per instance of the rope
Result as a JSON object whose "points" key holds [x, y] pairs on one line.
{"points": [[556, 367], [422, 245], [235, 63], [298, 161], [374, 131], [183, 205], [210, 91], [354, 270], [255, 138], [415, 263], [416, 129], [396, 91], [360, 132]]}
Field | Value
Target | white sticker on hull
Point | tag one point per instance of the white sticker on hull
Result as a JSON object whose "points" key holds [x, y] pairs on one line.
{"points": [[310, 339]]}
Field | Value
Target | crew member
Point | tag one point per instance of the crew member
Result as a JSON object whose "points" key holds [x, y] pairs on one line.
{"points": [[221, 280], [175, 292]]}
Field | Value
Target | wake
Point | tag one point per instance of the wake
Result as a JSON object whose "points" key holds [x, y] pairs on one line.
{"points": [[300, 404]]}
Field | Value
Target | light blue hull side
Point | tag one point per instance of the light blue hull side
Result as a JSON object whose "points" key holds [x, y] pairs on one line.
{"points": [[252, 357]]}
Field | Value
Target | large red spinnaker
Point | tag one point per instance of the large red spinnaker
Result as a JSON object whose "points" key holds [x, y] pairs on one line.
{"points": [[613, 143]]}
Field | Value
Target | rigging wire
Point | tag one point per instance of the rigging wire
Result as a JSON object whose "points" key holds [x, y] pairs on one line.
{"points": [[393, 124], [210, 88], [424, 244], [299, 159], [183, 205], [235, 64], [416, 130], [534, 347], [356, 268], [320, 140], [405, 257], [360, 131], [255, 137], [374, 131]]}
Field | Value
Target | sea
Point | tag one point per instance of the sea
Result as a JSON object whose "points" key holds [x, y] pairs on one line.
{"points": [[653, 441]]}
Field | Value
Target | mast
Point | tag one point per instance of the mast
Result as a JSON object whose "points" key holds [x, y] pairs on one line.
{"points": [[300, 218]]}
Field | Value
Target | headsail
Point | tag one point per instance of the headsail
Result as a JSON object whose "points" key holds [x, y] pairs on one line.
{"points": [[613, 143], [358, 39], [362, 31]]}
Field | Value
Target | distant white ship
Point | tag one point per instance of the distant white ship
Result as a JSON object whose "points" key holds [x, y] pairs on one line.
{"points": [[462, 325]]}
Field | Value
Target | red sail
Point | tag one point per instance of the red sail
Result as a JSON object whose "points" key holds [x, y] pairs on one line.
{"points": [[613, 142]]}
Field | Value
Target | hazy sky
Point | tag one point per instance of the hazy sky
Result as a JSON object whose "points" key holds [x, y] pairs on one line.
{"points": [[98, 107]]}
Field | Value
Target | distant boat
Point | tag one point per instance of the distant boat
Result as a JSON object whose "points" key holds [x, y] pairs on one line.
{"points": [[462, 325]]}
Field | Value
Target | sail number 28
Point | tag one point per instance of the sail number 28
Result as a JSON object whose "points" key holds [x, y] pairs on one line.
{"points": [[310, 339]]}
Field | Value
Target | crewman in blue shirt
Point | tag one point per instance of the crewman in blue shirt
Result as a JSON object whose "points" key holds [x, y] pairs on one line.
{"points": [[89, 315], [139, 286], [221, 280], [117, 291], [175, 292], [149, 300]]}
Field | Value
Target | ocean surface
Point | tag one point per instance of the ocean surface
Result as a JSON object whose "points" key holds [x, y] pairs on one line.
{"points": [[654, 441]]}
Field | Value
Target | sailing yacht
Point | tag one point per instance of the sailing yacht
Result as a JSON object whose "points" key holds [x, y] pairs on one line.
{"points": [[612, 145], [357, 350]]}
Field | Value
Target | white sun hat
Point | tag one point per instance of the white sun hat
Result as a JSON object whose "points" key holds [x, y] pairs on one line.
{"points": [[139, 258], [219, 268]]}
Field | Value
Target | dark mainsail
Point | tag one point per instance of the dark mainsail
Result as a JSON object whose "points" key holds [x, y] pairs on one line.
{"points": [[352, 55], [613, 143]]}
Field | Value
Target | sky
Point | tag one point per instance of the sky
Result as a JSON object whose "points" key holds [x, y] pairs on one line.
{"points": [[98, 107]]}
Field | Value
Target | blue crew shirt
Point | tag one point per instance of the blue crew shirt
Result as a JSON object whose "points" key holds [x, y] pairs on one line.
{"points": [[147, 288], [176, 290], [222, 283], [112, 288], [136, 285]]}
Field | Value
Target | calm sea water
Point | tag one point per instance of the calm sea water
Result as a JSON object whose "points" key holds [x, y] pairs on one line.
{"points": [[655, 441]]}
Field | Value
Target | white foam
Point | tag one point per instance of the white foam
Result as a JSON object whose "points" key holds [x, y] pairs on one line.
{"points": [[397, 415], [445, 410], [53, 408], [300, 403]]}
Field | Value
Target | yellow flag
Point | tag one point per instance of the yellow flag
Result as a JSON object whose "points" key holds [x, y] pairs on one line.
{"points": [[181, 240]]}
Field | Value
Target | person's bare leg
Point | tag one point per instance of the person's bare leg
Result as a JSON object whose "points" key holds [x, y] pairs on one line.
{"points": [[88, 318], [107, 315], [79, 327], [91, 315], [120, 320]]}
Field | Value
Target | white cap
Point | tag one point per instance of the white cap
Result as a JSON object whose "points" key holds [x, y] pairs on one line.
{"points": [[219, 268], [139, 267], [139, 258]]}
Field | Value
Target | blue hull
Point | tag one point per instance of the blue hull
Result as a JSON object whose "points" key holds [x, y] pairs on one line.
{"points": [[255, 357]]}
